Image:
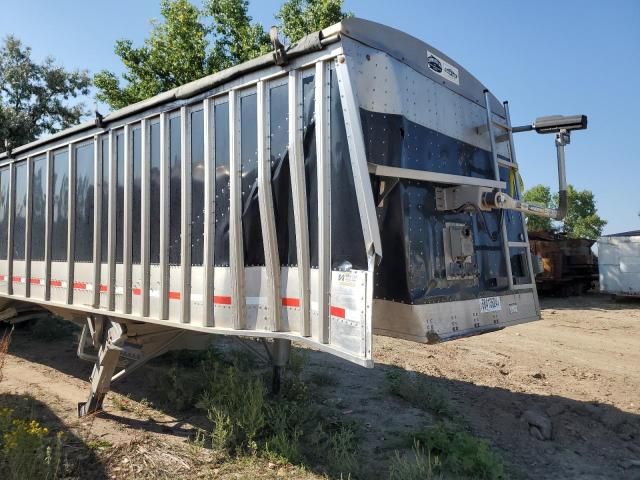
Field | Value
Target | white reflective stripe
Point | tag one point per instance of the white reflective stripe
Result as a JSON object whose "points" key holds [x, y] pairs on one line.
{"points": [[256, 300], [353, 315], [196, 297], [119, 290], [154, 293], [315, 305]]}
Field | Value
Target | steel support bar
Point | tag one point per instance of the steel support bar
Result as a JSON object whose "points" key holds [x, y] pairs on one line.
{"points": [[236, 252], [11, 226], [145, 209], [299, 196], [71, 223], [267, 212], [185, 215], [48, 223], [27, 227], [97, 218], [128, 218], [164, 217], [323, 119], [357, 150], [112, 218], [209, 213]]}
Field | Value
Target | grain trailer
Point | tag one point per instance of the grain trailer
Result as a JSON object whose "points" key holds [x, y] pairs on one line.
{"points": [[359, 181]]}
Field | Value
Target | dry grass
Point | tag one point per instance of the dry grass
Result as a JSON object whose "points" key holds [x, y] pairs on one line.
{"points": [[147, 457]]}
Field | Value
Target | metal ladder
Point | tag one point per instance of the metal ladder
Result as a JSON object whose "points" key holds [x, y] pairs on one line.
{"points": [[498, 161]]}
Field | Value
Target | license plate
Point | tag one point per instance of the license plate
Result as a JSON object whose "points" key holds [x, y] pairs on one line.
{"points": [[490, 304]]}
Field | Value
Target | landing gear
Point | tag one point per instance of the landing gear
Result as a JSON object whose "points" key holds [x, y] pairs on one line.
{"points": [[137, 342], [278, 351], [108, 337]]}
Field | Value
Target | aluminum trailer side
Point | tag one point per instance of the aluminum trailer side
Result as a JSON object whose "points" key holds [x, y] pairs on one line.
{"points": [[360, 181]]}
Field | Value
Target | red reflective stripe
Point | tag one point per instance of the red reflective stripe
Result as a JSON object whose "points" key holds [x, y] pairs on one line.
{"points": [[222, 300], [337, 312], [2, 277], [79, 286], [56, 283], [16, 279], [174, 295], [104, 288], [136, 291], [290, 302], [34, 281]]}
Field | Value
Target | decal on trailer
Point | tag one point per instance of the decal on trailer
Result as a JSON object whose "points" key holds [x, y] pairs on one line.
{"points": [[443, 68], [490, 304]]}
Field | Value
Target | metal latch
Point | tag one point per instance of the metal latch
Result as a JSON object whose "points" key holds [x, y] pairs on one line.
{"points": [[459, 252]]}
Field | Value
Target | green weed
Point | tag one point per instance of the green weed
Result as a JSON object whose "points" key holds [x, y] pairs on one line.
{"points": [[422, 467], [418, 393], [342, 451], [455, 452]]}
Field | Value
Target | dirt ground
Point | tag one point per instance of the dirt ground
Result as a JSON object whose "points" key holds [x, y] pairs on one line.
{"points": [[558, 398]]}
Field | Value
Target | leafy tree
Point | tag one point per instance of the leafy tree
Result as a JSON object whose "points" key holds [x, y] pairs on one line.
{"points": [[33, 97], [174, 54], [190, 43], [582, 219], [301, 17], [540, 194]]}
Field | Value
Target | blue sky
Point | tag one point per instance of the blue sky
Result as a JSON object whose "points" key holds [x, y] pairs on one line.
{"points": [[545, 57]]}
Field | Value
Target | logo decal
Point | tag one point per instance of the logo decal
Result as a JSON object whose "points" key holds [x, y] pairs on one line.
{"points": [[434, 64], [443, 68], [451, 73]]}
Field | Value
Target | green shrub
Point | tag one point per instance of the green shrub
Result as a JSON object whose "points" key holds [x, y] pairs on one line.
{"points": [[27, 451], [460, 454], [284, 433], [235, 403]]}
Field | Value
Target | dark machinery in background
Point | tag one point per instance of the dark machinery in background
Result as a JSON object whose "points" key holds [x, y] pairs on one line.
{"points": [[568, 265]]}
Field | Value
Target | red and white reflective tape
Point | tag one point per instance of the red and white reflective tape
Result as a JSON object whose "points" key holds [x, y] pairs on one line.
{"points": [[17, 279], [345, 313], [221, 300], [290, 302], [83, 286], [58, 283], [38, 282], [3, 278]]}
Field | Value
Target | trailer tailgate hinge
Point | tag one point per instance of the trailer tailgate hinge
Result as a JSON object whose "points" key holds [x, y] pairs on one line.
{"points": [[279, 51]]}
